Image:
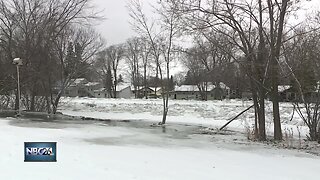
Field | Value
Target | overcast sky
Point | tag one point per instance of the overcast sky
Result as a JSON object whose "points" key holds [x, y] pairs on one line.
{"points": [[116, 27]]}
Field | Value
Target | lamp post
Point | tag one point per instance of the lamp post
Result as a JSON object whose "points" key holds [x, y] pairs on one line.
{"points": [[18, 62]]}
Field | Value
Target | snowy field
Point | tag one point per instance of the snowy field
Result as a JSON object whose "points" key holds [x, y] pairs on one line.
{"points": [[100, 151], [211, 113]]}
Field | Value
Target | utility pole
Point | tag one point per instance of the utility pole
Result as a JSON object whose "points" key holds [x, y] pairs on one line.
{"points": [[18, 62]]}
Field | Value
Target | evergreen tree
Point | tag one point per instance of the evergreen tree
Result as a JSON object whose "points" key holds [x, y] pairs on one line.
{"points": [[306, 77], [120, 79], [109, 82], [70, 59], [171, 84]]}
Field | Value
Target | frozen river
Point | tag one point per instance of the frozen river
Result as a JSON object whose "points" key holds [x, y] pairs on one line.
{"points": [[138, 150]]}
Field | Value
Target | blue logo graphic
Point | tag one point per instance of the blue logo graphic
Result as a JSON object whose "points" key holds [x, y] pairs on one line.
{"points": [[40, 152]]}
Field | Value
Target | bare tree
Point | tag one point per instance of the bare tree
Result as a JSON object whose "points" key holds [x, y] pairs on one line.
{"points": [[277, 12], [114, 54], [145, 52], [238, 22], [161, 43], [75, 51], [197, 72], [133, 56], [31, 30], [302, 61], [256, 28], [138, 53], [207, 61]]}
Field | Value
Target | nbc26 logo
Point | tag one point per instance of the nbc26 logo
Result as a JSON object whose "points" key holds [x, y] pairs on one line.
{"points": [[46, 151], [40, 151]]}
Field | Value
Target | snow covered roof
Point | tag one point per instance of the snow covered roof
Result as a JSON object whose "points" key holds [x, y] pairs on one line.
{"points": [[154, 89], [186, 88], [119, 88], [223, 86], [140, 88], [122, 87], [282, 88], [75, 82], [92, 84], [100, 90], [79, 80], [194, 88]]}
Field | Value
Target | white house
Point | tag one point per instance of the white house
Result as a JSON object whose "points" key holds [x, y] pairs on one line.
{"points": [[186, 92], [75, 88], [193, 92], [82, 88], [141, 91], [122, 91], [90, 87], [100, 93]]}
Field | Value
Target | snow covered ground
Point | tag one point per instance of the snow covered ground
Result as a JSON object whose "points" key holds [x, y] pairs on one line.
{"points": [[135, 150], [211, 113], [104, 150]]}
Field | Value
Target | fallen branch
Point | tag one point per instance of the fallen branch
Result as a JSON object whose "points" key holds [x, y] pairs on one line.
{"points": [[235, 118]]}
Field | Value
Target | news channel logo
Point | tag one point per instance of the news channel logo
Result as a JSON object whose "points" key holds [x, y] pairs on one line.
{"points": [[40, 152]]}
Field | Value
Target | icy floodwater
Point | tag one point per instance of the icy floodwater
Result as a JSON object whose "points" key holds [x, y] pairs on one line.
{"points": [[100, 150], [145, 133], [141, 132]]}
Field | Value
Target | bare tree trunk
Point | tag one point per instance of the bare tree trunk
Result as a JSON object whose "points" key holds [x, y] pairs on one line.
{"points": [[145, 79], [259, 108], [276, 41], [258, 99], [166, 97], [16, 104], [261, 115], [260, 76], [48, 104], [32, 103], [115, 83], [256, 130], [275, 101]]}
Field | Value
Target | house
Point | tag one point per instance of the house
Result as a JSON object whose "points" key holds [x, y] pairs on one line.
{"points": [[122, 91], [185, 92], [100, 93], [82, 88], [90, 87], [141, 91], [287, 93], [235, 94], [76, 87], [217, 93], [222, 91], [155, 90], [192, 92], [246, 95]]}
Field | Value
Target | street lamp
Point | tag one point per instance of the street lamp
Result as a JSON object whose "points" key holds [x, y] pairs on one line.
{"points": [[18, 62]]}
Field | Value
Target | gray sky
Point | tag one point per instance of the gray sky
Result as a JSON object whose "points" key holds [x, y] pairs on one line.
{"points": [[116, 28]]}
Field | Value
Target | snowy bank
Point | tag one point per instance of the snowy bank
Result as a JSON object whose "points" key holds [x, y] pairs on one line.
{"points": [[208, 113], [98, 151]]}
